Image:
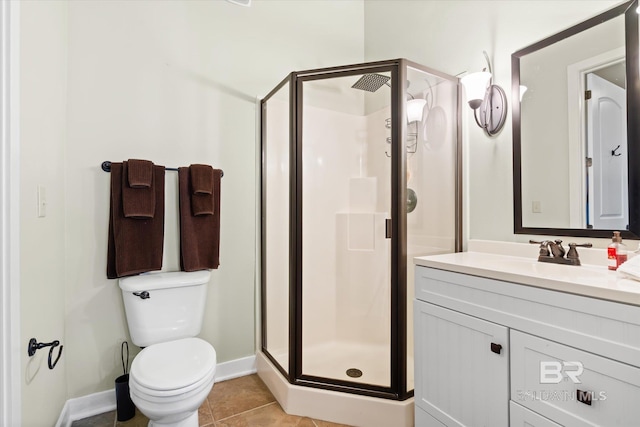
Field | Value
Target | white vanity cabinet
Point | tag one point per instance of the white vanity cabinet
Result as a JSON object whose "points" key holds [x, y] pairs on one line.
{"points": [[490, 352]]}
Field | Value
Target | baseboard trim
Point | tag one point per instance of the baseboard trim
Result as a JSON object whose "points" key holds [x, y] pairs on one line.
{"points": [[105, 401], [236, 368], [87, 406]]}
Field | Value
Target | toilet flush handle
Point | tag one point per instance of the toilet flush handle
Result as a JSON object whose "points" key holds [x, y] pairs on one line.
{"points": [[143, 294]]}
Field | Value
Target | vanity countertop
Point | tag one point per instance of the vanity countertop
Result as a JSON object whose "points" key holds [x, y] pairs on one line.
{"points": [[594, 281]]}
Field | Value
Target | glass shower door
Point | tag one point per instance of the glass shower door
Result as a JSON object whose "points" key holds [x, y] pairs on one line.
{"points": [[345, 207]]}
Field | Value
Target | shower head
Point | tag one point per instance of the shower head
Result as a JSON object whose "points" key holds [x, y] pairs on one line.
{"points": [[371, 82]]}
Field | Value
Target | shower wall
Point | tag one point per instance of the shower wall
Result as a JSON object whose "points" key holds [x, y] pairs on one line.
{"points": [[363, 251], [334, 149]]}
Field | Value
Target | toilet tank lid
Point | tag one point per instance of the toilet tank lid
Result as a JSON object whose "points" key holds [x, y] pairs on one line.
{"points": [[175, 279]]}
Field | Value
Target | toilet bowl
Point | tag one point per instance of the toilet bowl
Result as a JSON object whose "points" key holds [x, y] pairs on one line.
{"points": [[169, 381]]}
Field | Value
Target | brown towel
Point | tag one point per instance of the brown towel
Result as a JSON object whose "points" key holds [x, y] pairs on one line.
{"points": [[135, 245], [140, 174], [202, 202], [199, 235], [201, 179], [137, 202]]}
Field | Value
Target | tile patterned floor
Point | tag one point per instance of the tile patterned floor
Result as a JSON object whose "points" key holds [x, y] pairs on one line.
{"points": [[241, 402]]}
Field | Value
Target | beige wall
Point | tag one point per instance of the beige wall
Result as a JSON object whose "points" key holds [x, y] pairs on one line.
{"points": [[43, 94], [450, 36], [176, 82], [171, 81]]}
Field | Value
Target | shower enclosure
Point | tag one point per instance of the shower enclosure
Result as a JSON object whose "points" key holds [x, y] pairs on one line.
{"points": [[360, 173]]}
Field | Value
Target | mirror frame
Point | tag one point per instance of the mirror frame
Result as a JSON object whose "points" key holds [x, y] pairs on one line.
{"points": [[633, 122]]}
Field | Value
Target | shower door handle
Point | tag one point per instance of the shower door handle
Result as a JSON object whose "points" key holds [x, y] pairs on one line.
{"points": [[387, 228]]}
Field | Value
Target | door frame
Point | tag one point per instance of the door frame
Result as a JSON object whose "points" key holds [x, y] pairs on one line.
{"points": [[10, 371]]}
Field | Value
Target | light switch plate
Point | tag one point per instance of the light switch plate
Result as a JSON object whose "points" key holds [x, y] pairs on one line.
{"points": [[42, 201], [536, 207]]}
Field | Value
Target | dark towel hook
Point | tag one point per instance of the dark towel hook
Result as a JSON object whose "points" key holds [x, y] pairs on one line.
{"points": [[613, 152], [34, 346]]}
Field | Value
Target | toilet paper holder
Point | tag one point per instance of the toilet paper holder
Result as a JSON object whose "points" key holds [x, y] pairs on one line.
{"points": [[34, 346]]}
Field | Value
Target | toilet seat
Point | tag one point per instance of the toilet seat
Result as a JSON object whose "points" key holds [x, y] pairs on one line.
{"points": [[167, 394], [171, 396], [173, 367]]}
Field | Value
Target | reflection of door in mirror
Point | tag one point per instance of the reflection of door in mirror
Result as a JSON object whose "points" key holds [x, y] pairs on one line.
{"points": [[610, 65], [607, 206]]}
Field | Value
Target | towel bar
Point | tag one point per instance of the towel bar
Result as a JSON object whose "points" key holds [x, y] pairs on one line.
{"points": [[106, 166]]}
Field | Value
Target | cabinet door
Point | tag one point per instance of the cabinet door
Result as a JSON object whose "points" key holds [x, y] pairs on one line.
{"points": [[462, 368]]}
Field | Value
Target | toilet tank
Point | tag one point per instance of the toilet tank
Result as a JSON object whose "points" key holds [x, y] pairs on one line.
{"points": [[164, 306]]}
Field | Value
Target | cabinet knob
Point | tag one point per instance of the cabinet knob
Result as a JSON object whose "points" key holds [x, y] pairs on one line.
{"points": [[496, 348]]}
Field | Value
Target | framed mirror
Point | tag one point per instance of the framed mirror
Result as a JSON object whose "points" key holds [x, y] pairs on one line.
{"points": [[576, 152]]}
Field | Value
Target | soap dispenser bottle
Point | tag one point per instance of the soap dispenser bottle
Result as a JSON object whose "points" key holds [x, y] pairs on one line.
{"points": [[616, 251]]}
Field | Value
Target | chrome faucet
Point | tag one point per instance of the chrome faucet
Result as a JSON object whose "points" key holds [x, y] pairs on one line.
{"points": [[553, 251]]}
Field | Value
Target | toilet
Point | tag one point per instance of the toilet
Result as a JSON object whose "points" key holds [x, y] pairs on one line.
{"points": [[174, 373]]}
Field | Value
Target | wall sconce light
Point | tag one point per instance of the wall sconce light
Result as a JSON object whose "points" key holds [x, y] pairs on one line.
{"points": [[488, 101]]}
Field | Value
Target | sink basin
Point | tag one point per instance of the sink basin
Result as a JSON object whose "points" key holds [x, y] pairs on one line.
{"points": [[542, 270]]}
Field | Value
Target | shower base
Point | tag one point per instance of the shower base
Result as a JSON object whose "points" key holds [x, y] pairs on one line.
{"points": [[342, 408], [334, 359]]}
